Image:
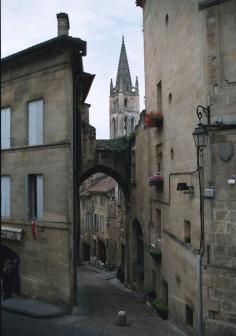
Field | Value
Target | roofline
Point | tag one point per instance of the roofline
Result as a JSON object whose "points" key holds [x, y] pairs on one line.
{"points": [[72, 41]]}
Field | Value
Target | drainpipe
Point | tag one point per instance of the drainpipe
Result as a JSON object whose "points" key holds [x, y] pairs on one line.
{"points": [[201, 247]]}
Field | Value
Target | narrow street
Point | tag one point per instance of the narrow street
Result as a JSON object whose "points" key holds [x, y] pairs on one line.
{"points": [[101, 298]]}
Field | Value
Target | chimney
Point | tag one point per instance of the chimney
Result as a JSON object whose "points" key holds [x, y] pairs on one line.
{"points": [[63, 24]]}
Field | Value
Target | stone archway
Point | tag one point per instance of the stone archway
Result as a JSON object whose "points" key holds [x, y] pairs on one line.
{"points": [[9, 270]]}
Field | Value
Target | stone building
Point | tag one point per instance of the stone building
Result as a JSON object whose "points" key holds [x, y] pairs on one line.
{"points": [[124, 99], [179, 236], [102, 222], [44, 89]]}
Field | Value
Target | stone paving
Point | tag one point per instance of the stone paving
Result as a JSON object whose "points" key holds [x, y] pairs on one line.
{"points": [[100, 300]]}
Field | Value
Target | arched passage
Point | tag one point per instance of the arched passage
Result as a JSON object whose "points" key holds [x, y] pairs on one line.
{"points": [[110, 172], [9, 270]]}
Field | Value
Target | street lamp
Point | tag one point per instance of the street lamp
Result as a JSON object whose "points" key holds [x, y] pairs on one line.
{"points": [[200, 136]]}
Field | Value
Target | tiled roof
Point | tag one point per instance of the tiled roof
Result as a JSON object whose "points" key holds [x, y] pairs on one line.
{"points": [[105, 185]]}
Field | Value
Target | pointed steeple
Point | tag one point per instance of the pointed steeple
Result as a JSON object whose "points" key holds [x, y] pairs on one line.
{"points": [[111, 87], [123, 79], [136, 85]]}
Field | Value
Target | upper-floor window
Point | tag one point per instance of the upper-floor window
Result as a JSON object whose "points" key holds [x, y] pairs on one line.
{"points": [[35, 115], [5, 196], [126, 102], [5, 127]]}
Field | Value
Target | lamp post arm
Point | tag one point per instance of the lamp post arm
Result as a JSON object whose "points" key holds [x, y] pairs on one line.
{"points": [[207, 112]]}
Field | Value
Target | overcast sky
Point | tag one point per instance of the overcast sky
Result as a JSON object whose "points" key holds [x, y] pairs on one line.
{"points": [[99, 22]]}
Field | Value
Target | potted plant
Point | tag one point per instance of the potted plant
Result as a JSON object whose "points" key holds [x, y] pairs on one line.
{"points": [[156, 180], [161, 308], [153, 119]]}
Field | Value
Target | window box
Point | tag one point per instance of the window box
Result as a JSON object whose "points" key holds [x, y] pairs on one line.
{"points": [[153, 119], [154, 249], [156, 180]]}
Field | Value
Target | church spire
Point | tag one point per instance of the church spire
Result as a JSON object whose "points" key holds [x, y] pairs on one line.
{"points": [[123, 79]]}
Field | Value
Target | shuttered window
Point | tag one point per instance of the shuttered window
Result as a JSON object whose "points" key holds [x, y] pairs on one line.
{"points": [[5, 196], [35, 196], [5, 127], [35, 110]]}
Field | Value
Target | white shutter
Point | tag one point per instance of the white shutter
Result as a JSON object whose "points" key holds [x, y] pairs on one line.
{"points": [[35, 122], [39, 191], [5, 196], [5, 128], [39, 114]]}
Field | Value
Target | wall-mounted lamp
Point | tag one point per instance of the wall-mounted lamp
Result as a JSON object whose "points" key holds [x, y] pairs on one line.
{"points": [[186, 189], [200, 136]]}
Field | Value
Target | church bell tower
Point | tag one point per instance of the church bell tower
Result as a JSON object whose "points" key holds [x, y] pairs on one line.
{"points": [[124, 99]]}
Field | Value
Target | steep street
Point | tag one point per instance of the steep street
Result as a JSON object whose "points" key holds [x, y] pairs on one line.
{"points": [[101, 298]]}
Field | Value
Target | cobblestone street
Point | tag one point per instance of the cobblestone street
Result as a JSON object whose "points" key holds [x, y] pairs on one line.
{"points": [[101, 298]]}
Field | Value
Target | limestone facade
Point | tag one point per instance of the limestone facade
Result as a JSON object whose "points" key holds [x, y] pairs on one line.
{"points": [[49, 73], [189, 49]]}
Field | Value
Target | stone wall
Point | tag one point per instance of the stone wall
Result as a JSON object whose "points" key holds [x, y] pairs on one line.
{"points": [[189, 57], [46, 268]]}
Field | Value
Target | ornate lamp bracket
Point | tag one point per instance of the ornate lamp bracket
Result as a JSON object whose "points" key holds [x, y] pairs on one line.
{"points": [[206, 110]]}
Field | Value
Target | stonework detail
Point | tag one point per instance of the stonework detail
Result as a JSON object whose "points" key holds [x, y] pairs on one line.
{"points": [[124, 99]]}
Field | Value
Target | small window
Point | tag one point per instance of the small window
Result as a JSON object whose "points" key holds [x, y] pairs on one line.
{"points": [[159, 97], [35, 199], [159, 167], [158, 223], [167, 19], [125, 102], [170, 98], [187, 231], [35, 124], [5, 127], [189, 316], [5, 196]]}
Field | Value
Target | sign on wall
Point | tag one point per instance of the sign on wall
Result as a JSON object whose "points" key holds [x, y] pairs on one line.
{"points": [[11, 233]]}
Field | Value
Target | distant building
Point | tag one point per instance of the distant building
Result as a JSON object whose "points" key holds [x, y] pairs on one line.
{"points": [[124, 99], [102, 228]]}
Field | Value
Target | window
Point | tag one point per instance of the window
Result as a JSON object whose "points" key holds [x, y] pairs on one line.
{"points": [[187, 231], [35, 199], [125, 126], [125, 102], [158, 224], [132, 124], [5, 127], [165, 292], [189, 315], [35, 114], [159, 167], [5, 196], [159, 97]]}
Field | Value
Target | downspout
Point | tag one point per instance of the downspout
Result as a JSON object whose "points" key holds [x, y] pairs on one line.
{"points": [[76, 63], [201, 247]]}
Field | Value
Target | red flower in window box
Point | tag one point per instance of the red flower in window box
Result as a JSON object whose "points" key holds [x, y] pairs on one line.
{"points": [[153, 119], [156, 180]]}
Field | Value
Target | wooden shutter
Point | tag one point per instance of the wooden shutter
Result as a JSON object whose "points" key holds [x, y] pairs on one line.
{"points": [[5, 127], [39, 191]]}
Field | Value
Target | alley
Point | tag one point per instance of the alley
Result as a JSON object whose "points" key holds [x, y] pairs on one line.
{"points": [[101, 297]]}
